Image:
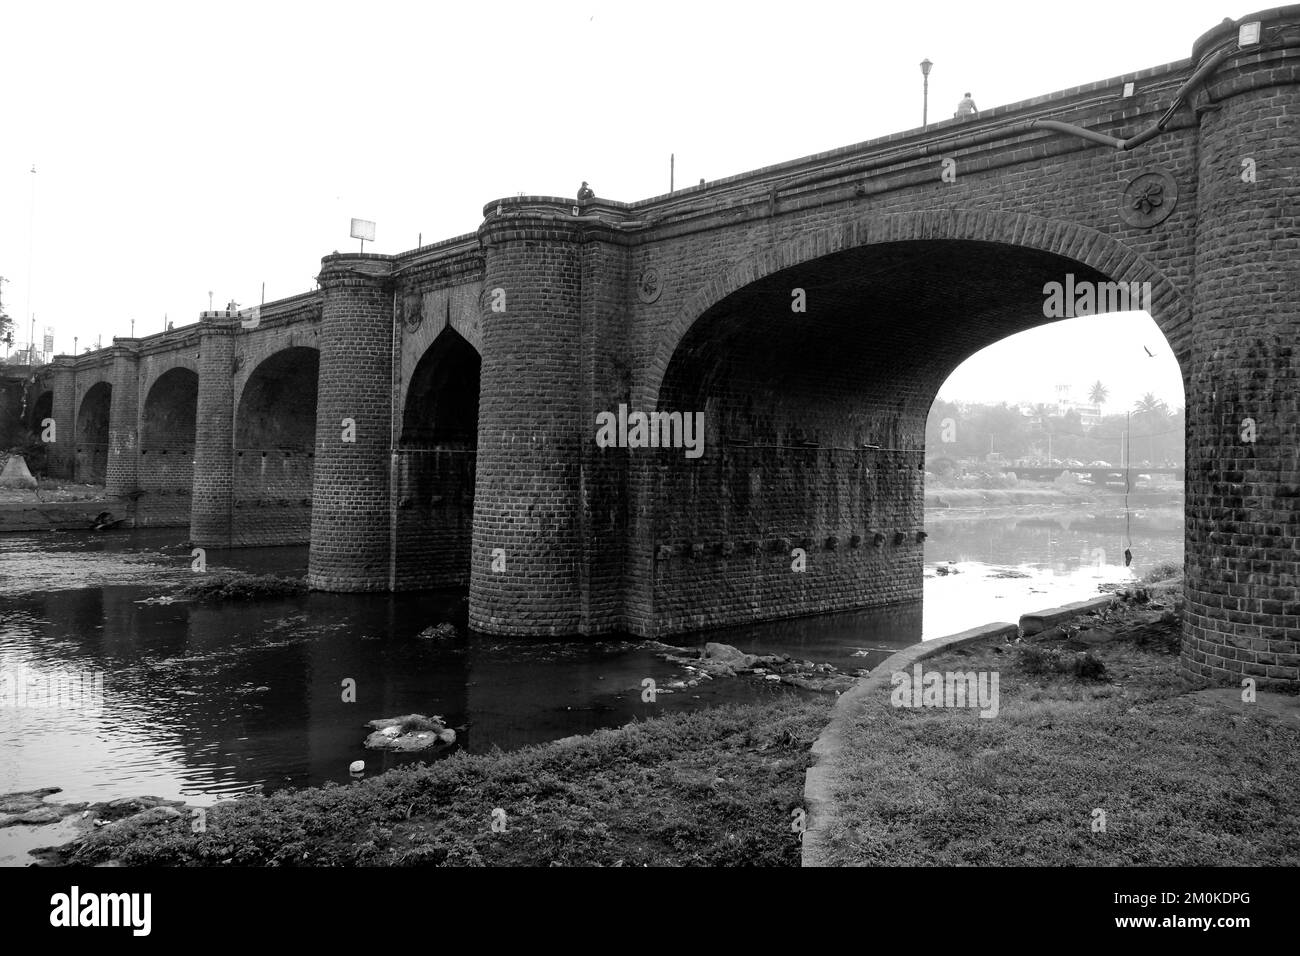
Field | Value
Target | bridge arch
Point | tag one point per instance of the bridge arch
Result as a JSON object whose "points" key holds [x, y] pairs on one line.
{"points": [[442, 396], [814, 420], [93, 414], [275, 438], [42, 408], [167, 432], [437, 449], [1112, 259]]}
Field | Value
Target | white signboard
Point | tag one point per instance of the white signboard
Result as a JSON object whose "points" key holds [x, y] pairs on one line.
{"points": [[363, 229]]}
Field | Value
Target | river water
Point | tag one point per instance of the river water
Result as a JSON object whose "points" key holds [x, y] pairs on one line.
{"points": [[202, 701]]}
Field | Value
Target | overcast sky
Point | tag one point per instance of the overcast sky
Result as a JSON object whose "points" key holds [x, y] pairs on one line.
{"points": [[182, 149]]}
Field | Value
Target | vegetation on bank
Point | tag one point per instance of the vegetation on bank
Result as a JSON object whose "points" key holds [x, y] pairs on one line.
{"points": [[1117, 762], [1163, 571], [710, 788]]}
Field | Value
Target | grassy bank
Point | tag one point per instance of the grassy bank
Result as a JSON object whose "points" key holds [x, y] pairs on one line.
{"points": [[714, 788], [1183, 778]]}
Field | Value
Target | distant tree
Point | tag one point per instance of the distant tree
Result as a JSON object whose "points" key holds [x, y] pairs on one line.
{"points": [[1148, 403], [1097, 394], [1151, 424], [966, 432]]}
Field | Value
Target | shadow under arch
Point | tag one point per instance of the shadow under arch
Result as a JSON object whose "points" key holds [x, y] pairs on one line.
{"points": [[92, 434], [42, 408], [1112, 259], [167, 433], [815, 420], [275, 440], [435, 461]]}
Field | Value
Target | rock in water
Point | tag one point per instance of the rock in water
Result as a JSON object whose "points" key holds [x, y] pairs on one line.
{"points": [[731, 656], [443, 630], [409, 733], [16, 474], [357, 766]]}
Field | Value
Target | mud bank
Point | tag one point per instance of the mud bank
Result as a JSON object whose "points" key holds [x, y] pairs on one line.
{"points": [[32, 514]]}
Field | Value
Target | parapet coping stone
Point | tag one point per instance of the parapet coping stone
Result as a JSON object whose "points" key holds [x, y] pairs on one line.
{"points": [[1040, 621], [817, 779]]}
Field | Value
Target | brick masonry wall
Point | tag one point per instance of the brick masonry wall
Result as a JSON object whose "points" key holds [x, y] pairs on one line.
{"points": [[727, 522], [351, 494], [123, 433], [531, 432], [605, 383], [1243, 495], [60, 456], [435, 517], [272, 504], [213, 489]]}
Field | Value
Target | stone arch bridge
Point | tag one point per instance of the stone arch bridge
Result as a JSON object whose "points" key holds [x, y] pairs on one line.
{"points": [[429, 418]]}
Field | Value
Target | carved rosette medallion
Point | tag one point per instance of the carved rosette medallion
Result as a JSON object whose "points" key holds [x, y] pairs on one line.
{"points": [[650, 285], [1148, 199]]}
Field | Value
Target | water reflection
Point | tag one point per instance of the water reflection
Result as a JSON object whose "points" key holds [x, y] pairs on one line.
{"points": [[204, 700]]}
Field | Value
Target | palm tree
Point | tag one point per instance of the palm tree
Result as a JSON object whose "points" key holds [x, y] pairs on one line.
{"points": [[1097, 394], [1148, 403], [1152, 412]]}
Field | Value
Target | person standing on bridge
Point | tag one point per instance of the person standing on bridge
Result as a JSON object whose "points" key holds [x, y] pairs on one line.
{"points": [[966, 108], [586, 192]]}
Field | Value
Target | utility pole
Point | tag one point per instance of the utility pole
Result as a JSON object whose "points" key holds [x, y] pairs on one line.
{"points": [[1123, 448], [31, 244]]}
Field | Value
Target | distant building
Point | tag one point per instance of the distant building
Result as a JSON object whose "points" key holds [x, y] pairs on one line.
{"points": [[1089, 412]]}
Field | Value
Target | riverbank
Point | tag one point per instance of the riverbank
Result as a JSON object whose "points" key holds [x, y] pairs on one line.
{"points": [[721, 787], [949, 502], [1099, 754], [1096, 752], [67, 506], [244, 673]]}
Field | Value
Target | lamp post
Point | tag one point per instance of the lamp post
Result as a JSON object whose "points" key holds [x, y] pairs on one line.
{"points": [[925, 93]]}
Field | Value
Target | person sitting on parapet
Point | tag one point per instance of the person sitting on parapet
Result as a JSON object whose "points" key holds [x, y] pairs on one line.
{"points": [[966, 108], [586, 192]]}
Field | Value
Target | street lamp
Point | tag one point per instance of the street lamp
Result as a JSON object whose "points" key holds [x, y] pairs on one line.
{"points": [[925, 95]]}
